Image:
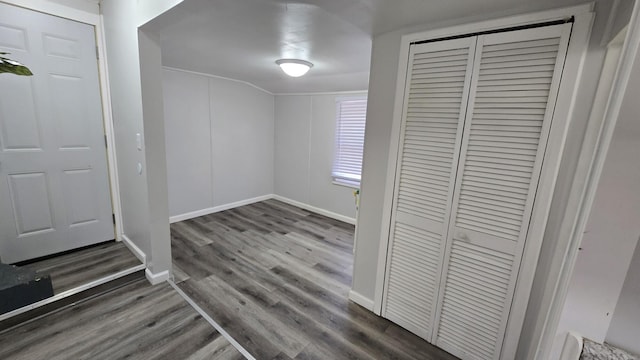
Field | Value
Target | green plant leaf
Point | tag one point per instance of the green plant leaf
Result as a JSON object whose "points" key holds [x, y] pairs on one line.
{"points": [[13, 67]]}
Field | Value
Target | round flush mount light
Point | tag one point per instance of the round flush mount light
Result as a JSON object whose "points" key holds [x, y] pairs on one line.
{"points": [[294, 67]]}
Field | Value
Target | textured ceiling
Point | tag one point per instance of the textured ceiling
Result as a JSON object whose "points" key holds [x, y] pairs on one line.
{"points": [[241, 39]]}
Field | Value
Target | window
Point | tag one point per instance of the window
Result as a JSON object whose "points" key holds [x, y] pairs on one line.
{"points": [[351, 113]]}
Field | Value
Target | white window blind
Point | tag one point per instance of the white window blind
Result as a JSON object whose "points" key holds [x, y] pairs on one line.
{"points": [[351, 114]]}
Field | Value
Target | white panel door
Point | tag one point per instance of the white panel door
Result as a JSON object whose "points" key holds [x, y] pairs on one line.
{"points": [[434, 111], [54, 187], [513, 94]]}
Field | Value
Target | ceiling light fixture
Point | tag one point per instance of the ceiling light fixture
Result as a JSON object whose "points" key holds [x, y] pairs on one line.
{"points": [[294, 67]]}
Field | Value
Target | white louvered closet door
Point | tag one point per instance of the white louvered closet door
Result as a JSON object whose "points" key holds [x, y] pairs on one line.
{"points": [[434, 110], [513, 93]]}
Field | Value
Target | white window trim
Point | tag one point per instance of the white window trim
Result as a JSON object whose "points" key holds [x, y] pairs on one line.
{"points": [[350, 184]]}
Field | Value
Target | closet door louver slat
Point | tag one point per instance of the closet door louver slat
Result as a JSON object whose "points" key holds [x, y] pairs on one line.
{"points": [[436, 96], [513, 92]]}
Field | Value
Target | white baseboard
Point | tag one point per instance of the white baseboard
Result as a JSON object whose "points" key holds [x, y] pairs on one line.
{"points": [[361, 300], [134, 249], [155, 279], [317, 210], [215, 209]]}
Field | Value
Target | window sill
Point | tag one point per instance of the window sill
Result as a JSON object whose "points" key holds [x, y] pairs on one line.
{"points": [[348, 184]]}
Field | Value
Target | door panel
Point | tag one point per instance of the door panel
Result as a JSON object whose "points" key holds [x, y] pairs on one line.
{"points": [[19, 125], [80, 197], [433, 118], [513, 93], [72, 129], [13, 38], [60, 47], [31, 204], [54, 187]]}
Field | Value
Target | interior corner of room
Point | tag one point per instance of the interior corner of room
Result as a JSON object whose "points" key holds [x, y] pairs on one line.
{"points": [[225, 154], [445, 181]]}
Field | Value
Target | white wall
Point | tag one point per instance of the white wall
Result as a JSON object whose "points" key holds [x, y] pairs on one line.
{"points": [[624, 330], [555, 245], [220, 142], [159, 264], [243, 126], [137, 109], [304, 150], [121, 37], [609, 240], [384, 69], [188, 140], [293, 122], [147, 10], [382, 95], [623, 180]]}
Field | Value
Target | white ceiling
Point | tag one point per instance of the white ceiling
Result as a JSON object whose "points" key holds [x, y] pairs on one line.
{"points": [[241, 39]]}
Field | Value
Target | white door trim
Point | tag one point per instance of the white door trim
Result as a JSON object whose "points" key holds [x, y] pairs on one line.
{"points": [[593, 155], [583, 16], [88, 12], [83, 11], [103, 73]]}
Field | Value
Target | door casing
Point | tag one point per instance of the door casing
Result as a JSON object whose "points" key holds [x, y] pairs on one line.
{"points": [[90, 14]]}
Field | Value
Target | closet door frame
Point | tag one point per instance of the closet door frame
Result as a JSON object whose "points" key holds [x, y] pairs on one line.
{"points": [[583, 19]]}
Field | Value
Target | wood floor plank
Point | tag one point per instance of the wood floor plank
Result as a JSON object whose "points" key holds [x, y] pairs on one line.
{"points": [[136, 321], [277, 277], [258, 222], [179, 275], [191, 261], [202, 229], [231, 267], [193, 231], [412, 344], [337, 258], [219, 349], [285, 209], [249, 338], [242, 246], [249, 308], [322, 311], [80, 267], [333, 345], [320, 219], [310, 273]]}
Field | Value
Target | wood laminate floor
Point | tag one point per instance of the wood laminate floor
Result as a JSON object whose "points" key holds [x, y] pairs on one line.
{"points": [[80, 267], [136, 321], [277, 278]]}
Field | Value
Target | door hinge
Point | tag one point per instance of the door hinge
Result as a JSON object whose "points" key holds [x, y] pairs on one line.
{"points": [[97, 53], [113, 217], [106, 143]]}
